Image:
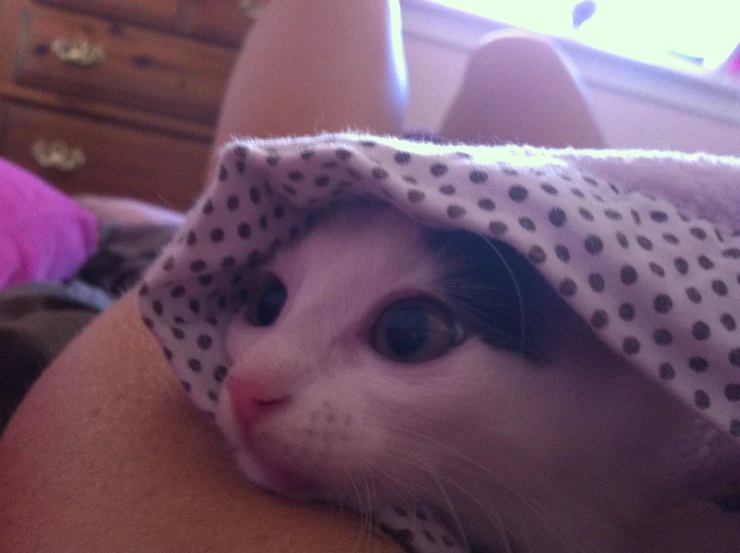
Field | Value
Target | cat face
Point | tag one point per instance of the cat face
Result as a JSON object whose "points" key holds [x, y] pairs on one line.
{"points": [[379, 364], [353, 366]]}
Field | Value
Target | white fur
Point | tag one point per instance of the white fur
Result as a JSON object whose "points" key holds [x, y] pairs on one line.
{"points": [[582, 454]]}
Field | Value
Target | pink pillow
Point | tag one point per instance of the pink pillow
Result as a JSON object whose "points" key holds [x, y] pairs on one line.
{"points": [[44, 235]]}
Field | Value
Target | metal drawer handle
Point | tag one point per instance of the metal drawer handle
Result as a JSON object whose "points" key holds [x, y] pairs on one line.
{"points": [[57, 154], [78, 51]]}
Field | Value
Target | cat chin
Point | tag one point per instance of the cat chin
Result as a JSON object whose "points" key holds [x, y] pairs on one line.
{"points": [[276, 476]]}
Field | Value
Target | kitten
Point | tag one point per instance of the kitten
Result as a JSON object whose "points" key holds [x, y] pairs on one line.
{"points": [[381, 364]]}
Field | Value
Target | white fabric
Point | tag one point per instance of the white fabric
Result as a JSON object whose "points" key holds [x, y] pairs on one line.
{"points": [[617, 233]]}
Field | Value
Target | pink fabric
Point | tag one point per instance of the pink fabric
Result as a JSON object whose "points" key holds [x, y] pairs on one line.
{"points": [[44, 235]]}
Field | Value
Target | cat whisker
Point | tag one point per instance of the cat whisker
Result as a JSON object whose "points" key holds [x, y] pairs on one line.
{"points": [[547, 518]]}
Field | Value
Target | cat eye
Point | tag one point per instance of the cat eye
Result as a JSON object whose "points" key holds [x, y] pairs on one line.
{"points": [[413, 330], [268, 302]]}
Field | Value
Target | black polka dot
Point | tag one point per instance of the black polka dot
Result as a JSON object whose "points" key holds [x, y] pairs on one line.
{"points": [[228, 262], [295, 176], [635, 217], [169, 264], [167, 353], [527, 224], [402, 157], [631, 345], [178, 291], [322, 181], [379, 173], [549, 189], [421, 515], [732, 392], [198, 265], [693, 295], [241, 167], [682, 266], [497, 228], [144, 290], [659, 216], [486, 204], [217, 235], [731, 253], [148, 322], [219, 373], [211, 320], [510, 171], [195, 365], [447, 189], [698, 233], [307, 154], [244, 230], [415, 196], [734, 357], [279, 211], [263, 222], [701, 399], [666, 371], [438, 169], [568, 287], [644, 242], [596, 281], [622, 240], [698, 364], [557, 216], [185, 385], [478, 177], [213, 396], [719, 287], [191, 239], [537, 254], [518, 193], [593, 244], [455, 211], [586, 214], [662, 303], [670, 238], [562, 253], [728, 321], [705, 262], [205, 341], [599, 319], [662, 337], [272, 160], [735, 427], [612, 215], [205, 280], [158, 308], [343, 154], [627, 312], [194, 306], [178, 320], [178, 333], [223, 174], [208, 208], [656, 269], [628, 275]]}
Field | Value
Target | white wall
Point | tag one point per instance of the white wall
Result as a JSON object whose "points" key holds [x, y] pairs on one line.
{"points": [[627, 120]]}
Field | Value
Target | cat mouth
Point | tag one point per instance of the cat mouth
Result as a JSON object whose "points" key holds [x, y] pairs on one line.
{"points": [[277, 475]]}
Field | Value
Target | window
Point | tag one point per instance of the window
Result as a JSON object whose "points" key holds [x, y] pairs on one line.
{"points": [[683, 34]]}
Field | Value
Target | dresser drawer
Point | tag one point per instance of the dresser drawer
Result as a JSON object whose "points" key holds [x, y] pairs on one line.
{"points": [[218, 21], [105, 158], [121, 64]]}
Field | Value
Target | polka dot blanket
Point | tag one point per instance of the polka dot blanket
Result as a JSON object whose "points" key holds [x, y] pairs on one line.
{"points": [[644, 246]]}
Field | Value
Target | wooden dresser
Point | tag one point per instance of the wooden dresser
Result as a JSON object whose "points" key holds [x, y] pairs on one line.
{"points": [[116, 97]]}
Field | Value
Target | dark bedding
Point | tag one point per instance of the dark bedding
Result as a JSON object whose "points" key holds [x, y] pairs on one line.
{"points": [[37, 320]]}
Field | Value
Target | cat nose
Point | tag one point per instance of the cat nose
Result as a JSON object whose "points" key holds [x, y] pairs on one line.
{"points": [[251, 400]]}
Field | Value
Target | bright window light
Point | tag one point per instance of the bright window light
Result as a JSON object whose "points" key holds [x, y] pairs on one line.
{"points": [[680, 33]]}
